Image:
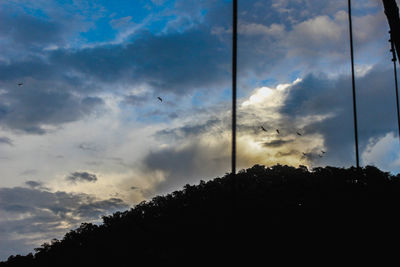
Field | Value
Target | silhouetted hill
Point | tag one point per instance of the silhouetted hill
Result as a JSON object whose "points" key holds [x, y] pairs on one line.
{"points": [[279, 213]]}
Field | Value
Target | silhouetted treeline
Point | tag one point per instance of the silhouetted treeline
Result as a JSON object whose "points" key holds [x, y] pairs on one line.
{"points": [[277, 213]]}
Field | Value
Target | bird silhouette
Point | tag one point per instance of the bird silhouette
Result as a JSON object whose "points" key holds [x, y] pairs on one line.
{"points": [[299, 133], [277, 131], [159, 98], [323, 152], [262, 128], [20, 84]]}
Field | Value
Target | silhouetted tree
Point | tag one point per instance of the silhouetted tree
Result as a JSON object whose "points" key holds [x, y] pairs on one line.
{"points": [[281, 212]]}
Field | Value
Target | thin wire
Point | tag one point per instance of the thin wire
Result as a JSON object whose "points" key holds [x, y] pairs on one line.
{"points": [[395, 81], [354, 86], [234, 79]]}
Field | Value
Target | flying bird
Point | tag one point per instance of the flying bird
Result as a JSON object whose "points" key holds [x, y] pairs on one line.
{"points": [[20, 84], [323, 152], [159, 98], [262, 128], [299, 134], [277, 131]]}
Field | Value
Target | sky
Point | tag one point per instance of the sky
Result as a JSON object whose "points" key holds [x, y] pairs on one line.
{"points": [[83, 134]]}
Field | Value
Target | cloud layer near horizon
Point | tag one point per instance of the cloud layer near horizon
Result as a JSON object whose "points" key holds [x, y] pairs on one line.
{"points": [[32, 216]]}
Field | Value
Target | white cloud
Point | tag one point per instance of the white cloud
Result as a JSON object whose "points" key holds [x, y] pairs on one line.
{"points": [[383, 152], [320, 36], [267, 97], [319, 30], [120, 144], [274, 30]]}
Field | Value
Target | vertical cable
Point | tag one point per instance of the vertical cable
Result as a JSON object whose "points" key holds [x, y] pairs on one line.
{"points": [[395, 81], [354, 86], [234, 79]]}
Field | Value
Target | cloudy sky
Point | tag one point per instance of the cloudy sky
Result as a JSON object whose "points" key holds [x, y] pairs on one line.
{"points": [[82, 133]]}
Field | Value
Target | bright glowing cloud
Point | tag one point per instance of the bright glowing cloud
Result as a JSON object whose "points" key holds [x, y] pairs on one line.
{"points": [[269, 97]]}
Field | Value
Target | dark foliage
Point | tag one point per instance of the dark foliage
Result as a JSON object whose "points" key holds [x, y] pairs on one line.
{"points": [[279, 213]]}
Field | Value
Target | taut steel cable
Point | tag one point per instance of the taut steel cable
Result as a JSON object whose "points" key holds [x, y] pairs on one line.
{"points": [[234, 79], [353, 86]]}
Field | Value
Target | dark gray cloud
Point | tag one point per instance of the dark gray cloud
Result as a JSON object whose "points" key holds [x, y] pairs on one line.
{"points": [[178, 62], [34, 184], [6, 140], [82, 177], [277, 143], [189, 130], [318, 95], [34, 216], [46, 98], [180, 163], [30, 108], [96, 209], [37, 185], [188, 164], [25, 30]]}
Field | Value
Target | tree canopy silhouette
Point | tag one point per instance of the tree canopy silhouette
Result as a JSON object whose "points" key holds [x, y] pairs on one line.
{"points": [[278, 211]]}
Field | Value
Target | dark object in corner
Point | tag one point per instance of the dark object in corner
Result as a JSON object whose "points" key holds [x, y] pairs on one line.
{"points": [[392, 14]]}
